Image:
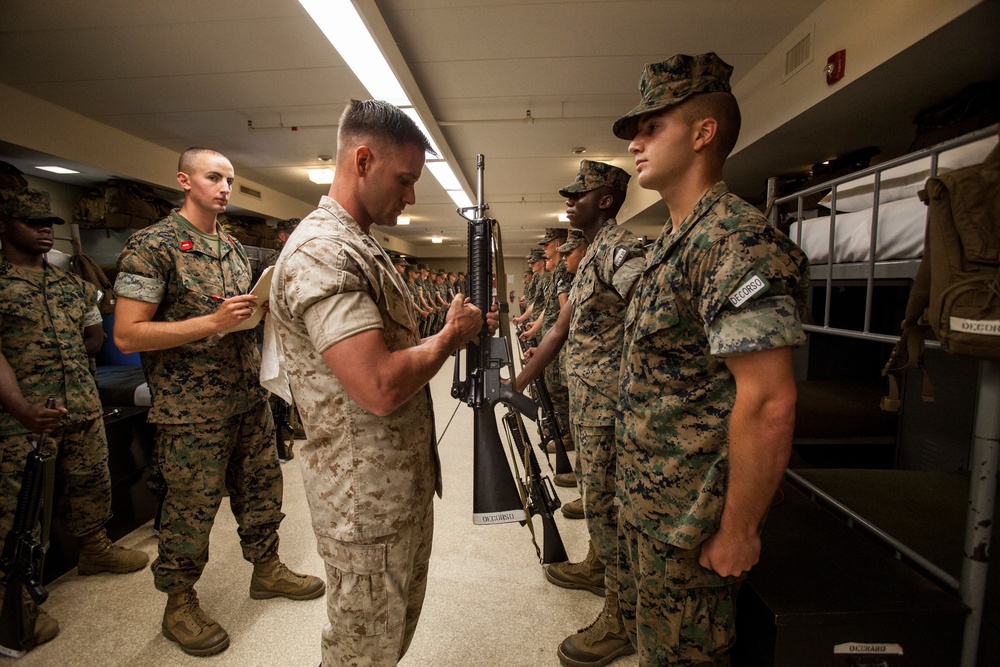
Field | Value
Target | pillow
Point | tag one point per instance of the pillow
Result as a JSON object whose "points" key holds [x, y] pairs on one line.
{"points": [[907, 179]]}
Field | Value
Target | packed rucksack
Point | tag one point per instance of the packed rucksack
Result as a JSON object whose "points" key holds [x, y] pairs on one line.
{"points": [[956, 292], [119, 204], [11, 177]]}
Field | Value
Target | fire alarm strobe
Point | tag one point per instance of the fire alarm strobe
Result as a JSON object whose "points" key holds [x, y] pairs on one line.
{"points": [[835, 67]]}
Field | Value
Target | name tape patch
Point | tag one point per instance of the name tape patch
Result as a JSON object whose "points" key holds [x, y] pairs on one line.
{"points": [[507, 516], [745, 292], [982, 327], [619, 256], [866, 648]]}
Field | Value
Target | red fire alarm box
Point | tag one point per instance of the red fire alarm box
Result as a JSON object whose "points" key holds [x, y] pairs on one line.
{"points": [[835, 67]]}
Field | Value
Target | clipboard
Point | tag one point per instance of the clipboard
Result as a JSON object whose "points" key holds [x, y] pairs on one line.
{"points": [[262, 290]]}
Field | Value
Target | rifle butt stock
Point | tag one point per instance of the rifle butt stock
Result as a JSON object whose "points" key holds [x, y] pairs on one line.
{"points": [[553, 550], [495, 498], [17, 623]]}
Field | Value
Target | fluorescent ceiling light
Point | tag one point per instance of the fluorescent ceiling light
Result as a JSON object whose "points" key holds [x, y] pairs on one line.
{"points": [[322, 176], [402, 219], [460, 198], [563, 217], [444, 175], [58, 170], [437, 239], [412, 113], [342, 25]]}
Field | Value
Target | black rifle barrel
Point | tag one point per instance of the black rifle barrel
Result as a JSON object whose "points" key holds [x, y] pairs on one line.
{"points": [[544, 501], [496, 498], [23, 555]]}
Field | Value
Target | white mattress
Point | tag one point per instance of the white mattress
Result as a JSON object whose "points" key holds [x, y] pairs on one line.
{"points": [[901, 226]]}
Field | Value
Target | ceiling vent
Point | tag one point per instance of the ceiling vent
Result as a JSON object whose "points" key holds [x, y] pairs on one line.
{"points": [[249, 192], [800, 55]]}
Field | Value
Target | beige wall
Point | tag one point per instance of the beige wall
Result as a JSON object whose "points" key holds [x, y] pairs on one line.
{"points": [[31, 122], [871, 31]]}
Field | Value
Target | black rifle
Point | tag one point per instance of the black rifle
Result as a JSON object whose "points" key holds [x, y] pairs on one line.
{"points": [[548, 427], [23, 553], [544, 500], [498, 494], [281, 413]]}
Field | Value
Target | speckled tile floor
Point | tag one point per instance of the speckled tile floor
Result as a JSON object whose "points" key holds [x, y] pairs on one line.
{"points": [[488, 602]]}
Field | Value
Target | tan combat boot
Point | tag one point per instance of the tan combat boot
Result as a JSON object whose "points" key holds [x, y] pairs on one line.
{"points": [[567, 445], [185, 622], [573, 509], [46, 627], [586, 575], [566, 479], [98, 554], [272, 579], [600, 643]]}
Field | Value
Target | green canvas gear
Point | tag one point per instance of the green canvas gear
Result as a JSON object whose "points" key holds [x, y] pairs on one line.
{"points": [[119, 204], [91, 209], [11, 177], [956, 292], [92, 272]]}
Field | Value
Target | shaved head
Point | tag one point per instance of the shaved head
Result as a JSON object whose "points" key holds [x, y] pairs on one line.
{"points": [[190, 157], [726, 112]]}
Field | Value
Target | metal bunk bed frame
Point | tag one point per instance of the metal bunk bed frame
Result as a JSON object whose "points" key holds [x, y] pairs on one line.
{"points": [[971, 585]]}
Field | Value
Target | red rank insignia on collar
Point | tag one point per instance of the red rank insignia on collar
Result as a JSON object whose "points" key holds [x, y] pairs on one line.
{"points": [[186, 245]]}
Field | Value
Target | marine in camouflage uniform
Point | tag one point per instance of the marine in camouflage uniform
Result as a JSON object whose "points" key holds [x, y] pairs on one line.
{"points": [[359, 370], [413, 287], [532, 289], [592, 327], [555, 281], [426, 300], [522, 302], [707, 342], [214, 428], [49, 327]]}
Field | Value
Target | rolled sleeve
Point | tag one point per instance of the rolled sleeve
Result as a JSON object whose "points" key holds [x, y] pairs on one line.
{"points": [[624, 278], [139, 274], [140, 288], [92, 317], [765, 324], [339, 317], [331, 291]]}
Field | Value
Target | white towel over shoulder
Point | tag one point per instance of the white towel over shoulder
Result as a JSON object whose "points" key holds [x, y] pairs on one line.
{"points": [[272, 363]]}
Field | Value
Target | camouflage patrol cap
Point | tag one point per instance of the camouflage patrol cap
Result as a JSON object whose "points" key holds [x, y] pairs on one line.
{"points": [[574, 241], [593, 175], [553, 233], [423, 267], [671, 82], [536, 255], [27, 204], [288, 226]]}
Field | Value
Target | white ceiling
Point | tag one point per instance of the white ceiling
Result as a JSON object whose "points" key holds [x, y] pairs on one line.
{"points": [[191, 72]]}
